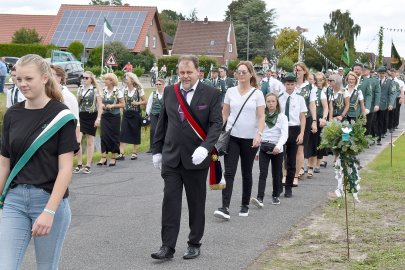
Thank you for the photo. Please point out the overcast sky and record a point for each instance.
(370, 15)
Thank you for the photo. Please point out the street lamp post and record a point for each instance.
(247, 42)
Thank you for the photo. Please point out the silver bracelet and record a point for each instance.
(49, 211)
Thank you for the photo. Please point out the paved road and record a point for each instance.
(117, 210)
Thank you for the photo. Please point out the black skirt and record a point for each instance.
(110, 133)
(131, 127)
(87, 120)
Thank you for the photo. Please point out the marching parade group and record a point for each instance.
(277, 119)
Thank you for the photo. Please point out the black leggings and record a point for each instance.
(276, 172)
(243, 148)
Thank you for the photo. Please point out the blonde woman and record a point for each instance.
(134, 98)
(36, 206)
(90, 109)
(113, 101)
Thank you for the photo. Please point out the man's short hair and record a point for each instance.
(191, 58)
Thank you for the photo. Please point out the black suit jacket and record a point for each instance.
(176, 140)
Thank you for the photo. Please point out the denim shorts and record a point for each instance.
(22, 206)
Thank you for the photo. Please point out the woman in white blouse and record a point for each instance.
(356, 105)
(245, 135)
(274, 137)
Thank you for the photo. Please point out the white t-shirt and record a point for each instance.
(71, 102)
(246, 126)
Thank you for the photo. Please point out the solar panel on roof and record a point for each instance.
(126, 26)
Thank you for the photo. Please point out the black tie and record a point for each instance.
(287, 108)
(15, 99)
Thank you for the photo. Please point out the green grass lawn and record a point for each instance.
(376, 225)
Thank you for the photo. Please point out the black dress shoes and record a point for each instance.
(164, 253)
(192, 253)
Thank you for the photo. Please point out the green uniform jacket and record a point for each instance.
(375, 86)
(365, 87)
(388, 94)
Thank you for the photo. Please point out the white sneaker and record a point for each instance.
(222, 213)
(256, 202)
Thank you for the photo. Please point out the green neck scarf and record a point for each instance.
(271, 119)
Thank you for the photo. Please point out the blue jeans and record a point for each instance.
(22, 207)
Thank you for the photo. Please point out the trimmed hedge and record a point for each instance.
(19, 50)
(171, 62)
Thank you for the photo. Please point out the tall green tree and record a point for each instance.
(331, 48)
(26, 36)
(168, 19)
(193, 15)
(252, 15)
(342, 26)
(286, 44)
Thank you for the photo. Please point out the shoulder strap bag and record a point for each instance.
(54, 126)
(223, 141)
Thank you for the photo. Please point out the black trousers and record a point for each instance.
(397, 113)
(194, 182)
(243, 148)
(370, 123)
(153, 122)
(276, 172)
(381, 117)
(291, 148)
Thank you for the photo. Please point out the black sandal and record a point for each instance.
(102, 163)
(120, 157)
(112, 164)
(323, 164)
(134, 156)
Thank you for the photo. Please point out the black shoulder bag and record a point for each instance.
(223, 140)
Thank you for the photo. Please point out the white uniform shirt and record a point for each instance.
(278, 134)
(297, 106)
(150, 101)
(246, 125)
(11, 94)
(71, 102)
(349, 94)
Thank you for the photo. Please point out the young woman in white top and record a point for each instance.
(245, 135)
(313, 154)
(274, 137)
(134, 97)
(113, 101)
(90, 104)
(356, 106)
(153, 106)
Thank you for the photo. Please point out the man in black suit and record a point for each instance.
(184, 158)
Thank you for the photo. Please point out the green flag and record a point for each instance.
(395, 59)
(345, 54)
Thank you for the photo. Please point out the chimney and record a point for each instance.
(206, 20)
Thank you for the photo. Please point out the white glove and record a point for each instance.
(157, 161)
(367, 111)
(199, 155)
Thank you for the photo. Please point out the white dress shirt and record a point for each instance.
(297, 106)
(278, 134)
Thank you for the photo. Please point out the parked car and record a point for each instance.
(10, 61)
(74, 72)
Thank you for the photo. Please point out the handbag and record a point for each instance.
(56, 124)
(267, 147)
(145, 121)
(223, 140)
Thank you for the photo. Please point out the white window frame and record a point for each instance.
(230, 47)
(147, 41)
(153, 42)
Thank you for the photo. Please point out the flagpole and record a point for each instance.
(102, 54)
